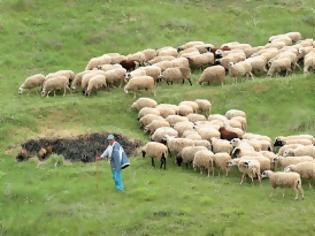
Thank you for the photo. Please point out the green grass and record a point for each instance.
(43, 36)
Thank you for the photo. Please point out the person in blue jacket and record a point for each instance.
(118, 160)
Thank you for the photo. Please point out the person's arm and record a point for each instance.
(106, 153)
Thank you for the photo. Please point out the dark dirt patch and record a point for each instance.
(81, 148)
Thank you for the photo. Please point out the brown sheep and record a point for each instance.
(226, 134)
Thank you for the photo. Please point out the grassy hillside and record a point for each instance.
(43, 36)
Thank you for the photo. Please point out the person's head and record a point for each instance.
(110, 139)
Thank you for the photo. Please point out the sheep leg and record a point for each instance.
(226, 172)
(54, 93)
(152, 162)
(134, 95)
(189, 82)
(212, 170)
(64, 91)
(296, 190)
(251, 75)
(183, 81)
(242, 178)
(301, 191)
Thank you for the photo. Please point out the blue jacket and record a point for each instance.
(114, 152)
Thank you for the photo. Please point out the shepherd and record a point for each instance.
(118, 159)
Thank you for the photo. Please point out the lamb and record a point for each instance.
(167, 109)
(147, 119)
(32, 82)
(282, 179)
(162, 132)
(286, 161)
(186, 155)
(173, 119)
(221, 160)
(227, 134)
(204, 160)
(200, 61)
(204, 106)
(115, 77)
(184, 110)
(154, 125)
(156, 151)
(305, 169)
(219, 145)
(96, 82)
(56, 83)
(212, 74)
(171, 75)
(143, 102)
(129, 65)
(148, 110)
(138, 83)
(279, 65)
(240, 69)
(97, 61)
(193, 117)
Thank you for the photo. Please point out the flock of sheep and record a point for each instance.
(143, 70)
(187, 133)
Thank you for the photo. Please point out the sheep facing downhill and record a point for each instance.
(285, 180)
(32, 82)
(212, 74)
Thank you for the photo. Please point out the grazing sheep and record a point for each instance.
(56, 83)
(115, 57)
(171, 75)
(98, 61)
(147, 119)
(212, 74)
(173, 119)
(294, 36)
(242, 68)
(78, 79)
(107, 67)
(283, 179)
(96, 82)
(193, 117)
(138, 57)
(192, 104)
(32, 82)
(148, 110)
(186, 155)
(138, 72)
(203, 160)
(167, 51)
(201, 61)
(181, 127)
(238, 122)
(219, 145)
(221, 160)
(308, 150)
(149, 54)
(160, 134)
(115, 77)
(156, 151)
(184, 110)
(175, 145)
(227, 134)
(258, 63)
(305, 169)
(248, 167)
(234, 112)
(309, 62)
(207, 132)
(67, 73)
(204, 105)
(202, 142)
(154, 125)
(167, 109)
(181, 62)
(153, 71)
(138, 83)
(279, 65)
(286, 161)
(87, 77)
(143, 102)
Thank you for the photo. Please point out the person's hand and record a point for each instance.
(98, 158)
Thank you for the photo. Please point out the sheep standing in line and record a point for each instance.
(156, 151)
(285, 180)
(212, 74)
(138, 83)
(32, 82)
(56, 83)
(203, 160)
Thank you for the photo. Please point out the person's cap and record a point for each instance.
(110, 137)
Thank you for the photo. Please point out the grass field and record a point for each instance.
(43, 36)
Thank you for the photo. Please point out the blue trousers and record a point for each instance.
(117, 180)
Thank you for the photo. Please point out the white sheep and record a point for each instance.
(193, 117)
(32, 82)
(173, 119)
(96, 82)
(212, 74)
(171, 75)
(285, 180)
(155, 124)
(149, 54)
(143, 102)
(67, 73)
(175, 145)
(162, 132)
(279, 65)
(221, 160)
(242, 68)
(167, 109)
(192, 104)
(97, 61)
(138, 83)
(308, 150)
(234, 112)
(115, 77)
(204, 105)
(220, 145)
(107, 67)
(249, 167)
(157, 151)
(200, 61)
(186, 155)
(305, 169)
(148, 110)
(56, 83)
(147, 119)
(181, 127)
(203, 160)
